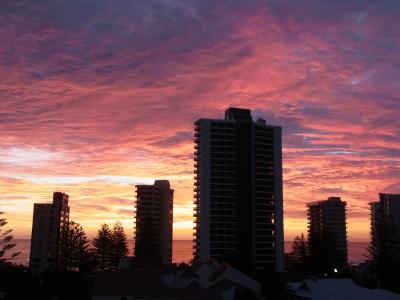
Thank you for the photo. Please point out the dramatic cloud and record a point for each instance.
(98, 95)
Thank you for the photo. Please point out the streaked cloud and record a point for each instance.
(96, 96)
(26, 156)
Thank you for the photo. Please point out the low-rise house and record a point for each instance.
(211, 274)
(203, 280)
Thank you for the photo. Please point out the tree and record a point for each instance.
(103, 248)
(119, 243)
(6, 241)
(299, 253)
(73, 251)
(325, 254)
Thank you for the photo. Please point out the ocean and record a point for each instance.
(182, 251)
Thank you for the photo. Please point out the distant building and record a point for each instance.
(238, 191)
(153, 238)
(327, 234)
(388, 207)
(343, 289)
(48, 220)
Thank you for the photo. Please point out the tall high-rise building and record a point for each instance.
(153, 238)
(327, 232)
(48, 220)
(387, 209)
(238, 191)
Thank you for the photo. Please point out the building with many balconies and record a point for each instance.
(327, 233)
(385, 223)
(153, 237)
(47, 224)
(238, 191)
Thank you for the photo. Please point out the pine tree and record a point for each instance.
(103, 248)
(6, 241)
(73, 251)
(120, 247)
(324, 254)
(299, 249)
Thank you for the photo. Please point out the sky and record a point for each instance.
(97, 96)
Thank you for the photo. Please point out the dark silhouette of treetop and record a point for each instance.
(103, 248)
(6, 241)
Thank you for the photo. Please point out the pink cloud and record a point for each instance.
(114, 89)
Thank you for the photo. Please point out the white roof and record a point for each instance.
(338, 289)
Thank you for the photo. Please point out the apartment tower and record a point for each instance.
(153, 237)
(327, 233)
(238, 191)
(48, 220)
(385, 220)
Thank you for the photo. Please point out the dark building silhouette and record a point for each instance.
(387, 208)
(48, 220)
(327, 233)
(238, 191)
(153, 238)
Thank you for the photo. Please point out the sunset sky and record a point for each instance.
(98, 95)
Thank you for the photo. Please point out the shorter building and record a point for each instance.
(327, 234)
(203, 280)
(153, 237)
(48, 220)
(343, 289)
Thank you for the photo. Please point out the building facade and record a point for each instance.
(153, 237)
(327, 233)
(238, 190)
(385, 220)
(47, 224)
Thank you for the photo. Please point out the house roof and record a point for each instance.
(146, 282)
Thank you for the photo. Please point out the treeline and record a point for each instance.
(319, 255)
(103, 254)
(78, 261)
(381, 270)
